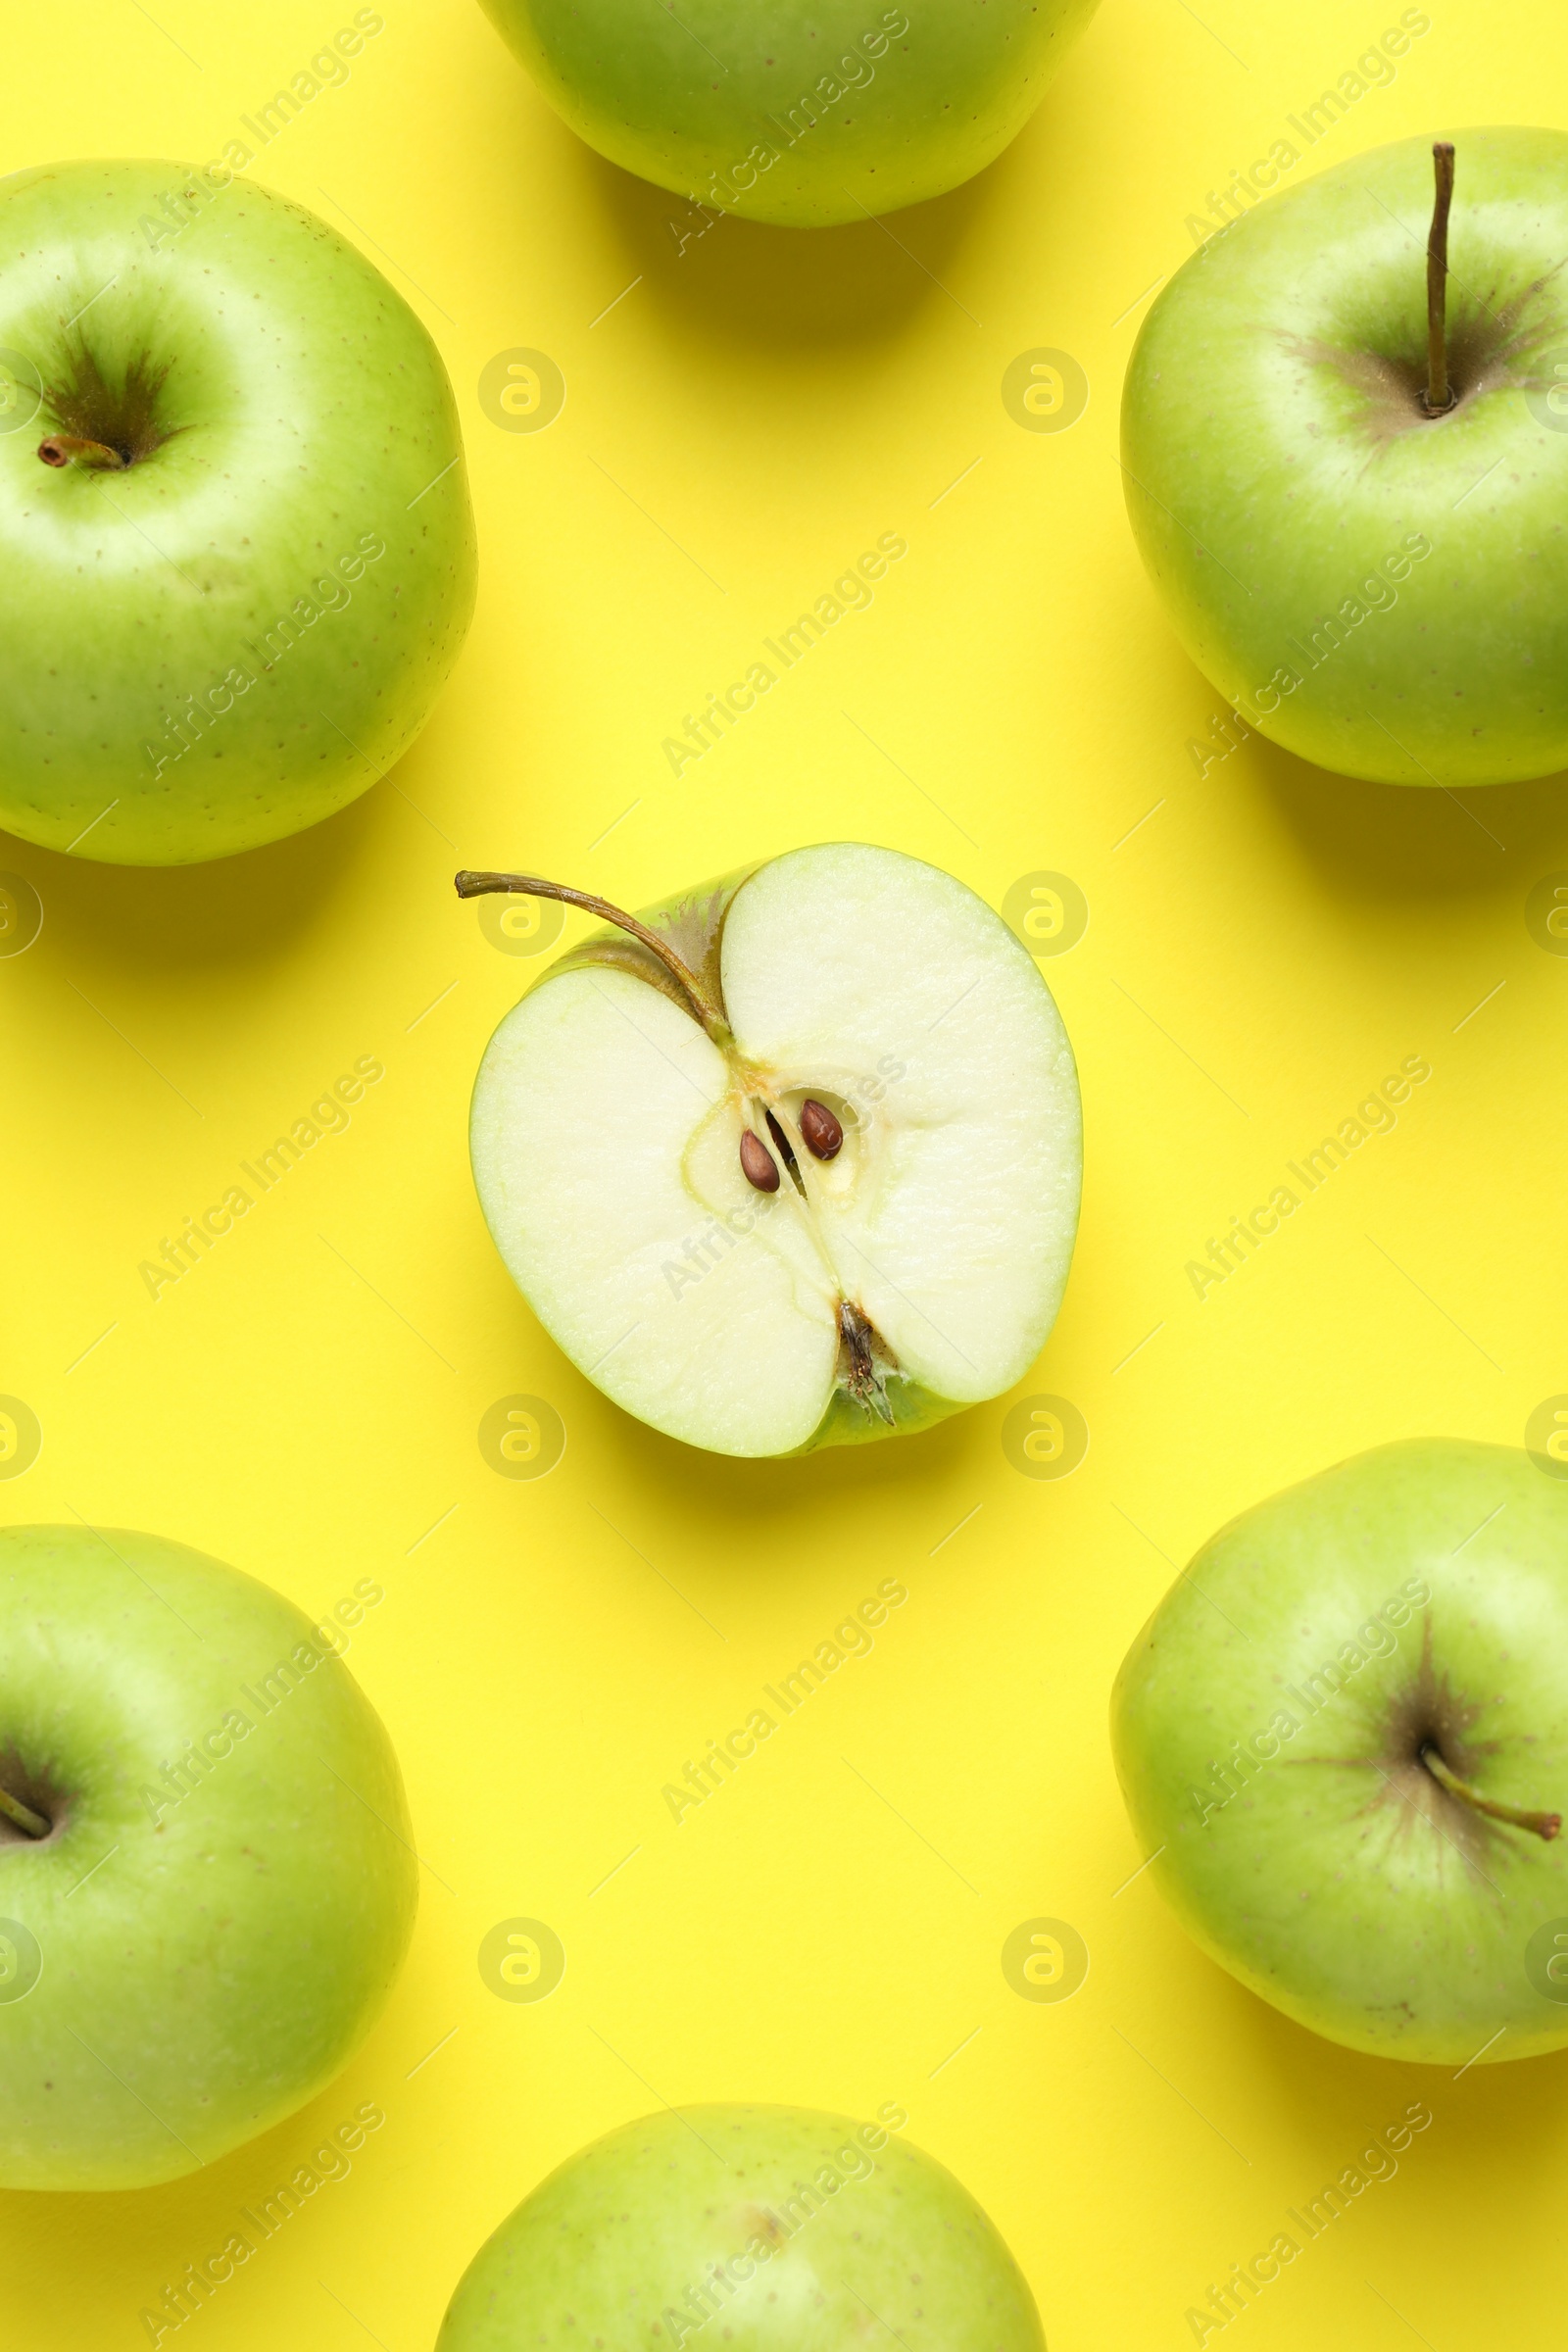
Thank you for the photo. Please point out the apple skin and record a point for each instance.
(607, 2249)
(1339, 1882)
(222, 1965)
(313, 414)
(1277, 460)
(925, 102)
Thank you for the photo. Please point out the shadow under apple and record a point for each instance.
(1396, 842)
(250, 911)
(142, 2240)
(721, 1500)
(1494, 2120)
(800, 291)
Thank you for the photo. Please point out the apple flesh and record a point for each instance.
(234, 527)
(794, 114)
(1380, 589)
(207, 1882)
(1345, 1734)
(641, 1154)
(787, 2229)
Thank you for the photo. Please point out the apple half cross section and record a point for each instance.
(791, 2231)
(207, 1874)
(1342, 1737)
(791, 1160)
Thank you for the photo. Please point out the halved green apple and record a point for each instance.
(793, 1159)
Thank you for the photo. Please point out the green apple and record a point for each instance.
(801, 111)
(1375, 580)
(789, 2232)
(234, 525)
(790, 1160)
(1344, 1732)
(206, 1877)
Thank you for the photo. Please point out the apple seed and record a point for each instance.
(757, 1163)
(820, 1131)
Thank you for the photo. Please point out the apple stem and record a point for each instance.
(57, 449)
(22, 1815)
(529, 886)
(1543, 1824)
(1438, 397)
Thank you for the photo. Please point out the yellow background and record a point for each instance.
(1261, 950)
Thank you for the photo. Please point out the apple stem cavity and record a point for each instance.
(1542, 1825)
(1439, 396)
(59, 448)
(530, 886)
(32, 1823)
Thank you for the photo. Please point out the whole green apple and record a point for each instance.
(790, 2231)
(800, 112)
(234, 525)
(207, 1883)
(790, 1160)
(1377, 582)
(1344, 1734)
